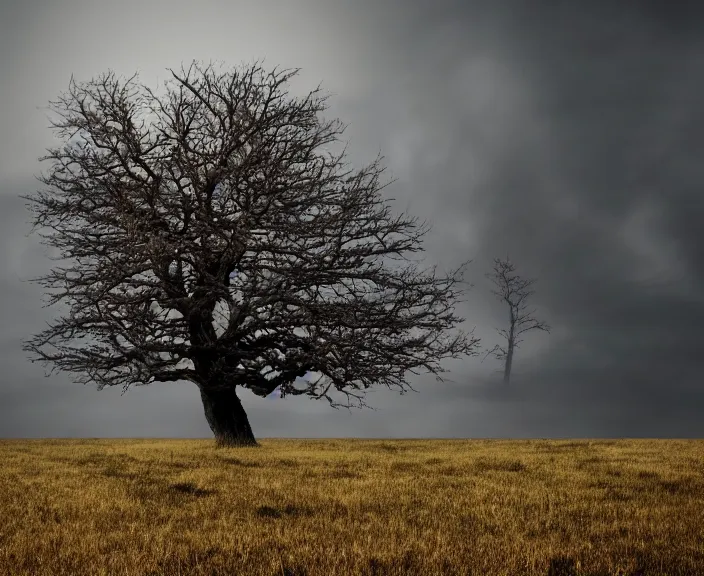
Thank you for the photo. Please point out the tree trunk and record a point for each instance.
(507, 366)
(509, 351)
(227, 418)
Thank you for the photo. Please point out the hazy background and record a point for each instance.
(567, 134)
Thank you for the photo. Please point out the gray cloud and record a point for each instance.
(566, 134)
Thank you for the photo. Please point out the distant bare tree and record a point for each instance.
(214, 238)
(513, 290)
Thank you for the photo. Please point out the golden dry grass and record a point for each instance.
(343, 507)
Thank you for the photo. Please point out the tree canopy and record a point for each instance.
(214, 237)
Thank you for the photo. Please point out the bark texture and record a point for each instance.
(227, 418)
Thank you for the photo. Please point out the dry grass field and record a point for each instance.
(344, 507)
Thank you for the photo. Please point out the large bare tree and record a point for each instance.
(514, 291)
(214, 237)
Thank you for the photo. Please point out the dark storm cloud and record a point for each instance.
(566, 134)
(616, 235)
(578, 152)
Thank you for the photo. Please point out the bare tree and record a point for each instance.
(513, 290)
(215, 238)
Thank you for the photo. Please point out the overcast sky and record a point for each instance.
(569, 135)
